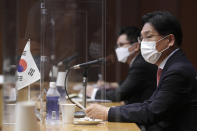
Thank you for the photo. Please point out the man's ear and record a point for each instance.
(137, 47)
(171, 40)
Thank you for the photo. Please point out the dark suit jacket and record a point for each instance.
(173, 105)
(137, 87)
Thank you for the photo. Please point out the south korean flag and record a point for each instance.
(27, 70)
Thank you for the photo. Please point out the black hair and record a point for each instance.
(132, 33)
(164, 23)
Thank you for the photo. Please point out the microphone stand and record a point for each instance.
(85, 73)
(80, 114)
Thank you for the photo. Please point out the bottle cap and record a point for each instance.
(52, 84)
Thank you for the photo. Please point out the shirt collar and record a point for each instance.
(162, 64)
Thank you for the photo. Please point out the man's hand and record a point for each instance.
(97, 111)
(114, 85)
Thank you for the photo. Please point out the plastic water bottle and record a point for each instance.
(52, 105)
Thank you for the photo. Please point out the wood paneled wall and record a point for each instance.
(1, 97)
(128, 12)
(1, 33)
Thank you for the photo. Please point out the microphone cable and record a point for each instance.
(66, 85)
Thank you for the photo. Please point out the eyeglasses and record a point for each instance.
(122, 44)
(149, 37)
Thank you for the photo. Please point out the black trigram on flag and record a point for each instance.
(24, 53)
(20, 78)
(31, 72)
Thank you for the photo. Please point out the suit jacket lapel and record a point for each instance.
(168, 63)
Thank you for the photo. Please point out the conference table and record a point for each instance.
(105, 126)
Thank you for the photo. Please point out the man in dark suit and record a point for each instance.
(173, 105)
(140, 81)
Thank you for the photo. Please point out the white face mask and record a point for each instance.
(122, 53)
(149, 51)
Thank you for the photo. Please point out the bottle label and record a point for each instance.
(52, 108)
(53, 115)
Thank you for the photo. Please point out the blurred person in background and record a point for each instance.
(140, 81)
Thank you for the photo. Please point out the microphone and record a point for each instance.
(100, 60)
(68, 60)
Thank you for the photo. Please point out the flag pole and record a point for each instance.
(29, 93)
(29, 89)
